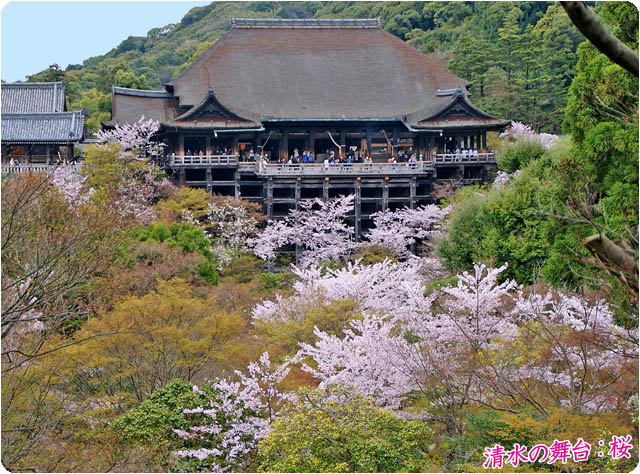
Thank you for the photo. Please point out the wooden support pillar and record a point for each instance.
(70, 153)
(357, 202)
(432, 146)
(48, 154)
(236, 183)
(307, 142)
(394, 141)
(234, 145)
(284, 145)
(209, 180)
(325, 189)
(412, 193)
(385, 193)
(269, 198)
(484, 140)
(180, 145)
(207, 145)
(298, 191)
(181, 177)
(312, 144)
(369, 133)
(459, 141)
(343, 142)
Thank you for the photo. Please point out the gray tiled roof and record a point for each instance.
(140, 92)
(32, 97)
(61, 127)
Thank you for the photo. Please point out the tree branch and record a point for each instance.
(601, 37)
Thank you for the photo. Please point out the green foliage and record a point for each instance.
(333, 431)
(504, 225)
(96, 105)
(179, 234)
(105, 168)
(243, 268)
(290, 330)
(274, 281)
(152, 421)
(130, 79)
(515, 156)
(371, 254)
(208, 271)
(468, 226)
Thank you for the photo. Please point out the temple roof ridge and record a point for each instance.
(305, 23)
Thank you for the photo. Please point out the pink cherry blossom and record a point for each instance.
(401, 229)
(137, 138)
(518, 131)
(318, 229)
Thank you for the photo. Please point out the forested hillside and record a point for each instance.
(521, 56)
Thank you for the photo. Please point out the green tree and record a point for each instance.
(334, 431)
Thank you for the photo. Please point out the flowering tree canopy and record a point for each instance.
(71, 184)
(400, 229)
(318, 228)
(230, 225)
(136, 138)
(481, 341)
(227, 430)
(379, 288)
(136, 195)
(502, 178)
(519, 130)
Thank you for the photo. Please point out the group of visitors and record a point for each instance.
(215, 151)
(406, 157)
(469, 152)
(296, 158)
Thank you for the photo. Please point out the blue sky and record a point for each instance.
(37, 34)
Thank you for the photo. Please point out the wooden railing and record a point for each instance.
(469, 158)
(27, 168)
(179, 160)
(321, 169)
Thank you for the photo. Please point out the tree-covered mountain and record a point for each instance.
(521, 56)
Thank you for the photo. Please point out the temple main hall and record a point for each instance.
(371, 110)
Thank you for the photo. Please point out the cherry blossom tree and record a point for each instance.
(502, 179)
(230, 225)
(401, 229)
(136, 195)
(519, 130)
(71, 184)
(480, 341)
(379, 288)
(365, 359)
(226, 432)
(261, 382)
(318, 229)
(136, 138)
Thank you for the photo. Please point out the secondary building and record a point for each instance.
(36, 127)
